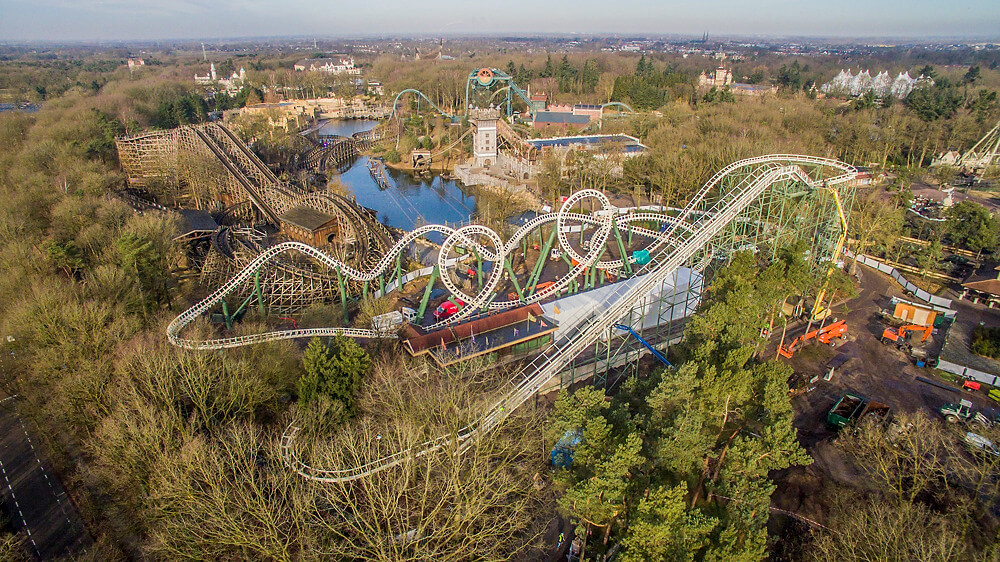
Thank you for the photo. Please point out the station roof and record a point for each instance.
(991, 286)
(304, 217)
(196, 220)
(483, 335)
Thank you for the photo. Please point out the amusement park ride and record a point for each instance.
(757, 204)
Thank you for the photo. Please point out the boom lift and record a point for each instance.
(826, 335)
(898, 337)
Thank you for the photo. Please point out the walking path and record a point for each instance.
(34, 497)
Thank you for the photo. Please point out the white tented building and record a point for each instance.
(846, 83)
(672, 301)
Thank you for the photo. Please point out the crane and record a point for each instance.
(826, 335)
(898, 336)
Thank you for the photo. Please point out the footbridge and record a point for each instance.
(339, 152)
(717, 221)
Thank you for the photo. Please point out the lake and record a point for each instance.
(410, 201)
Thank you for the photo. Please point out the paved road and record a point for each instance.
(33, 496)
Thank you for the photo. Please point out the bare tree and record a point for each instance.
(480, 504)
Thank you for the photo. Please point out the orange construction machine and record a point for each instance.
(826, 335)
(898, 336)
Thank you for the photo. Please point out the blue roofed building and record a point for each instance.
(545, 120)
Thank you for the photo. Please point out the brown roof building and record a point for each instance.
(309, 225)
(977, 289)
(512, 332)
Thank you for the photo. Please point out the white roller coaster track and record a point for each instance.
(681, 242)
(984, 153)
(468, 236)
(554, 358)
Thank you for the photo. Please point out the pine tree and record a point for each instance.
(548, 71)
(350, 363)
(665, 529)
(318, 365)
(640, 67)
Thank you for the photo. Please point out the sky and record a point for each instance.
(117, 20)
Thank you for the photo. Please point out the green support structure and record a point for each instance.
(621, 247)
(260, 295)
(364, 290)
(486, 305)
(381, 283)
(594, 271)
(536, 271)
(479, 267)
(343, 295)
(225, 313)
(243, 305)
(427, 293)
(513, 279)
(399, 270)
(255, 294)
(573, 284)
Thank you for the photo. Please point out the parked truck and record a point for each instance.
(852, 407)
(963, 412)
(391, 321)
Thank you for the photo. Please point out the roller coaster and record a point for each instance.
(250, 204)
(339, 152)
(482, 84)
(738, 208)
(983, 154)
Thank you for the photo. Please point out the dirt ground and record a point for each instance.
(874, 370)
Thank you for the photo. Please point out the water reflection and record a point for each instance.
(410, 201)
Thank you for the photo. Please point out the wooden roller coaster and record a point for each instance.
(339, 152)
(256, 210)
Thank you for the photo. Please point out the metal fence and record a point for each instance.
(895, 274)
(967, 372)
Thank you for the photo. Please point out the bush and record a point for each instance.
(986, 341)
(335, 371)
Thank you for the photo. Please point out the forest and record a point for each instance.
(175, 454)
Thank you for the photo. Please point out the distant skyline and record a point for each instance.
(130, 20)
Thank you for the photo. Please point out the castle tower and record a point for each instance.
(484, 143)
(213, 71)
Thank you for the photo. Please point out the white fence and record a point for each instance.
(917, 291)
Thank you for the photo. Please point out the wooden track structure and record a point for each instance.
(513, 142)
(248, 200)
(339, 152)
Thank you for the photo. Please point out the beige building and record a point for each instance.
(334, 64)
(721, 78)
